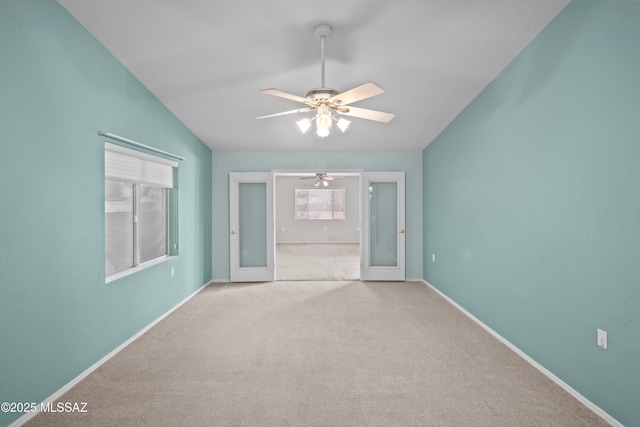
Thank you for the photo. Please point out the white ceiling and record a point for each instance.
(207, 60)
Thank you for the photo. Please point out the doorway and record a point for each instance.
(317, 225)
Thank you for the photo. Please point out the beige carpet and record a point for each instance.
(330, 354)
(320, 261)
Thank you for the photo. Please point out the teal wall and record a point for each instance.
(262, 161)
(532, 203)
(58, 87)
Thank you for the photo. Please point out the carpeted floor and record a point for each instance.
(331, 354)
(320, 261)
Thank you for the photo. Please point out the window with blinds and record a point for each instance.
(320, 203)
(137, 208)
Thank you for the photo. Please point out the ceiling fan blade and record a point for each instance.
(284, 113)
(358, 93)
(316, 176)
(363, 113)
(281, 94)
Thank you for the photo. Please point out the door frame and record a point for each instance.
(250, 274)
(268, 273)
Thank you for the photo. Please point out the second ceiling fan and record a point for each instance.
(324, 101)
(321, 178)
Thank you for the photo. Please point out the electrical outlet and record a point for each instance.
(173, 271)
(602, 339)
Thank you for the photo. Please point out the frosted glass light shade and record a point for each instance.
(343, 124)
(304, 125)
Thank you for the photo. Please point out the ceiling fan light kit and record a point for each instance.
(325, 101)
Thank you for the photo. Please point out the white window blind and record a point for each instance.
(127, 165)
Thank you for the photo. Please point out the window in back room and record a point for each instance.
(320, 203)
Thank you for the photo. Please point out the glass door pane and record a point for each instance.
(383, 223)
(253, 224)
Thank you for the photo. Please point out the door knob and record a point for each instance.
(402, 231)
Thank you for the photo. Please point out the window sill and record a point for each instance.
(140, 267)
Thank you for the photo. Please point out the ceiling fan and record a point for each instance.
(324, 100)
(322, 178)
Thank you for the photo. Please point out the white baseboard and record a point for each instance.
(337, 242)
(586, 402)
(26, 417)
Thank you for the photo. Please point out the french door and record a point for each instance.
(251, 220)
(383, 229)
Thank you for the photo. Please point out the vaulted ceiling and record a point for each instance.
(206, 61)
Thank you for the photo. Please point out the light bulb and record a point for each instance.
(322, 132)
(323, 121)
(325, 183)
(323, 125)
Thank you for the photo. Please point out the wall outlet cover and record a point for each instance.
(602, 339)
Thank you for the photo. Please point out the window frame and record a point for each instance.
(333, 211)
(169, 196)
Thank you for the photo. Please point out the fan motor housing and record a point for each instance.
(321, 93)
